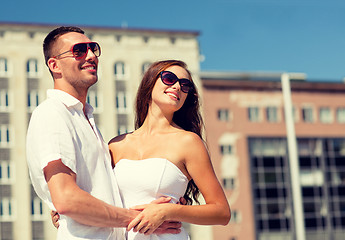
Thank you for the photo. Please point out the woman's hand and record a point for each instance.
(151, 217)
(55, 218)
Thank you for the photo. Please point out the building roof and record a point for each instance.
(265, 81)
(95, 28)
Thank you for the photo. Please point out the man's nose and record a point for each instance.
(90, 53)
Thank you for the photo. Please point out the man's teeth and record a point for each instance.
(89, 67)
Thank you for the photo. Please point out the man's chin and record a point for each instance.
(92, 81)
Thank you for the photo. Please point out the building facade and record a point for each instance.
(246, 133)
(24, 79)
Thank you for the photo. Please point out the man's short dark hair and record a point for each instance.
(53, 36)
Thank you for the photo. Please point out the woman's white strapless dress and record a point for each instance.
(142, 181)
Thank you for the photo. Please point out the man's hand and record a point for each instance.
(169, 227)
(55, 218)
(166, 227)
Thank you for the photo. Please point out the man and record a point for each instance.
(69, 163)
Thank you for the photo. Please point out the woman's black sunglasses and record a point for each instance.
(169, 78)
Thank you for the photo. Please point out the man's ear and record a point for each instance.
(53, 65)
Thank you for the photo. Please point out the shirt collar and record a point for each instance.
(69, 100)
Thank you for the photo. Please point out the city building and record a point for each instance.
(246, 126)
(245, 129)
(24, 79)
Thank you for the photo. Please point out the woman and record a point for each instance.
(166, 156)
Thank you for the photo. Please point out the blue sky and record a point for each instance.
(235, 35)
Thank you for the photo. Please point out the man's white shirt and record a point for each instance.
(58, 129)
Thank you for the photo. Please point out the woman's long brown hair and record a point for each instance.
(187, 117)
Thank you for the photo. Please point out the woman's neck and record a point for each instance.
(157, 122)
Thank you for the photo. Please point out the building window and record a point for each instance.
(310, 178)
(93, 99)
(6, 208)
(253, 114)
(341, 115)
(119, 71)
(5, 171)
(3, 67)
(122, 129)
(5, 135)
(32, 68)
(226, 149)
(4, 99)
(121, 102)
(145, 66)
(272, 114)
(229, 183)
(307, 113)
(235, 216)
(269, 166)
(37, 229)
(33, 99)
(37, 208)
(326, 115)
(223, 115)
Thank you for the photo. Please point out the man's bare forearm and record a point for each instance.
(70, 200)
(88, 210)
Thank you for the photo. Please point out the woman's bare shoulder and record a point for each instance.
(189, 136)
(117, 146)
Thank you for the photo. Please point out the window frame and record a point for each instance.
(33, 96)
(122, 129)
(226, 149)
(223, 115)
(6, 132)
(229, 183)
(4, 67)
(7, 172)
(308, 114)
(94, 99)
(7, 209)
(5, 100)
(32, 68)
(328, 118)
(37, 209)
(254, 115)
(272, 117)
(121, 102)
(120, 71)
(340, 115)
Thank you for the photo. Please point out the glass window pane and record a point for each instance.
(307, 113)
(325, 115)
(272, 114)
(223, 115)
(253, 114)
(3, 67)
(341, 115)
